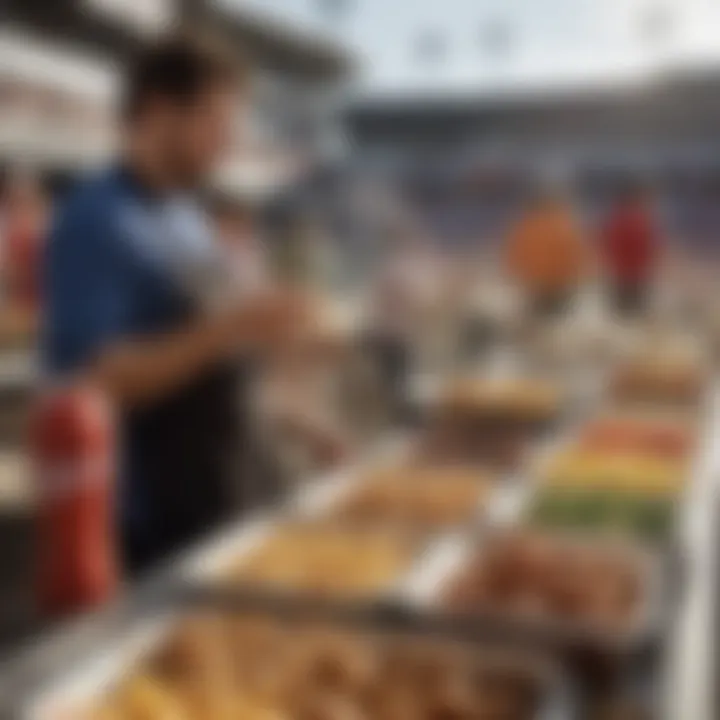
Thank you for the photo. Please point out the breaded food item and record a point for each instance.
(144, 697)
(428, 497)
(514, 399)
(327, 560)
(323, 674)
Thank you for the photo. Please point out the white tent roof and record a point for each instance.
(36, 61)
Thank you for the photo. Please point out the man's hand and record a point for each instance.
(144, 369)
(332, 451)
(272, 320)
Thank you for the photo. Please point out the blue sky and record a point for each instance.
(552, 40)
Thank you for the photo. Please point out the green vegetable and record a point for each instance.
(650, 518)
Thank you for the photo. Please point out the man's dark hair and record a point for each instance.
(178, 69)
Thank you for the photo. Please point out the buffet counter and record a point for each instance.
(376, 559)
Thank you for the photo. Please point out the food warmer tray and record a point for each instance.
(199, 571)
(76, 687)
(425, 390)
(529, 481)
(200, 576)
(423, 590)
(322, 500)
(318, 496)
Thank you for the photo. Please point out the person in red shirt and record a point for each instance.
(25, 213)
(630, 250)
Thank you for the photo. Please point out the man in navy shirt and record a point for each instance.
(134, 288)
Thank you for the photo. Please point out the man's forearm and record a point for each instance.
(320, 435)
(142, 370)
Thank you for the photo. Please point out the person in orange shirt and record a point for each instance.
(547, 255)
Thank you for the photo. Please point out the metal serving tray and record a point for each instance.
(518, 505)
(324, 503)
(202, 568)
(426, 391)
(69, 692)
(317, 497)
(423, 594)
(204, 573)
(207, 560)
(72, 691)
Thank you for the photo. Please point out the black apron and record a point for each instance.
(188, 461)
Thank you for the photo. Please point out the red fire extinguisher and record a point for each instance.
(73, 459)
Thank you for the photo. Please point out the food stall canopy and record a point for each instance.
(30, 59)
(147, 16)
(280, 44)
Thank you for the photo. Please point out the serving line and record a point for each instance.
(689, 672)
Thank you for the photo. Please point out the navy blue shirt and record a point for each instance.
(120, 264)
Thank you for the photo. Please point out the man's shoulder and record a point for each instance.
(98, 200)
(89, 217)
(92, 200)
